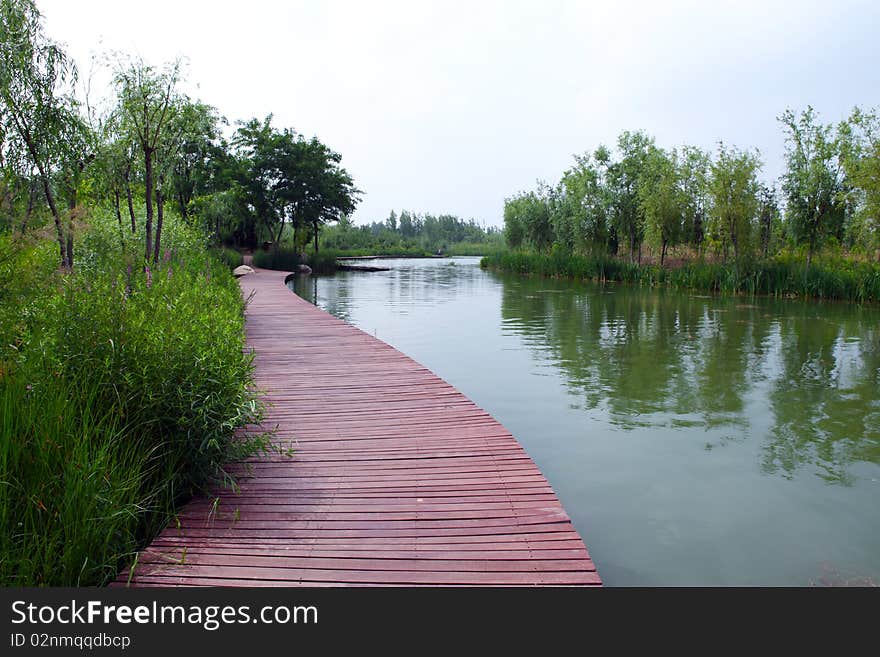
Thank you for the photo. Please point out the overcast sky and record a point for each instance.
(452, 106)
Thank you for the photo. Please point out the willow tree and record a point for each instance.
(38, 112)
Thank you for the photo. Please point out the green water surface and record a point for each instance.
(694, 440)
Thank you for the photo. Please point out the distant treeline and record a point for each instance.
(641, 199)
(410, 233)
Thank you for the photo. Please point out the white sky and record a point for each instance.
(452, 106)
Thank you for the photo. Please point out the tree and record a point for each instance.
(39, 116)
(812, 182)
(733, 189)
(660, 199)
(587, 201)
(527, 218)
(624, 176)
(200, 162)
(768, 217)
(514, 232)
(146, 99)
(293, 181)
(860, 157)
(693, 180)
(325, 192)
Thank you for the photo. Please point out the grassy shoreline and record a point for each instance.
(122, 389)
(782, 276)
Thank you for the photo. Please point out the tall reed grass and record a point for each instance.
(122, 387)
(783, 276)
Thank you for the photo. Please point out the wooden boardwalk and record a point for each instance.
(397, 478)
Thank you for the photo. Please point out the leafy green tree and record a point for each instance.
(587, 201)
(860, 157)
(693, 177)
(813, 180)
(198, 162)
(624, 176)
(293, 181)
(768, 217)
(661, 199)
(146, 99)
(39, 116)
(527, 218)
(733, 190)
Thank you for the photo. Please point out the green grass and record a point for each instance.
(783, 276)
(121, 390)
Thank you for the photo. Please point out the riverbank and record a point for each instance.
(782, 276)
(122, 387)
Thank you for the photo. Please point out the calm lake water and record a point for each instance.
(693, 440)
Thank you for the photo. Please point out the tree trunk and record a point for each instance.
(160, 215)
(118, 209)
(30, 208)
(277, 243)
(148, 183)
(315, 224)
(50, 199)
(130, 207)
(182, 204)
(663, 251)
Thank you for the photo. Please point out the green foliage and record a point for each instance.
(733, 189)
(859, 140)
(128, 385)
(661, 199)
(686, 203)
(40, 128)
(783, 276)
(527, 216)
(813, 181)
(410, 235)
(289, 179)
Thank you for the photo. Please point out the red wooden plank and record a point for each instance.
(396, 479)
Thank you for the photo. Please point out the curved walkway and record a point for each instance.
(396, 478)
